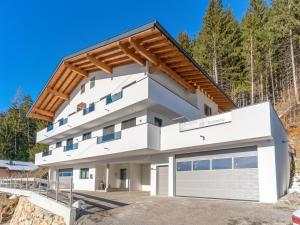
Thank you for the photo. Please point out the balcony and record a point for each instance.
(143, 137)
(46, 153)
(138, 96)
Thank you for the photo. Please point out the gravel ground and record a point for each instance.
(145, 210)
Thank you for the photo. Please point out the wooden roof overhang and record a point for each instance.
(147, 43)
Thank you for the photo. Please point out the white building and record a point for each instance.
(136, 113)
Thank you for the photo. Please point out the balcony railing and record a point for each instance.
(112, 98)
(63, 121)
(70, 147)
(46, 153)
(109, 137)
(89, 109)
(50, 127)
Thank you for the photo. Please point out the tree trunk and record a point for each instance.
(272, 81)
(251, 69)
(215, 62)
(293, 67)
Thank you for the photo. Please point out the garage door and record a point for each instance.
(227, 174)
(162, 180)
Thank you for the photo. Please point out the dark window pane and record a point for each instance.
(207, 110)
(245, 162)
(58, 144)
(218, 164)
(108, 130)
(84, 173)
(128, 123)
(184, 166)
(87, 136)
(201, 165)
(157, 122)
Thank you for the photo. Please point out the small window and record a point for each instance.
(82, 88)
(184, 166)
(157, 122)
(128, 123)
(201, 165)
(207, 110)
(109, 130)
(92, 82)
(84, 173)
(245, 162)
(86, 136)
(219, 164)
(58, 144)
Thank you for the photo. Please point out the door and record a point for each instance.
(162, 180)
(123, 178)
(65, 178)
(227, 174)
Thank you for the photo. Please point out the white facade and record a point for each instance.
(168, 121)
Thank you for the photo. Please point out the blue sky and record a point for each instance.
(35, 34)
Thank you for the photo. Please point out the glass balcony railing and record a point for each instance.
(109, 137)
(70, 147)
(63, 121)
(112, 98)
(50, 127)
(46, 153)
(89, 109)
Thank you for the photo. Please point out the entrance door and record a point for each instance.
(162, 180)
(123, 178)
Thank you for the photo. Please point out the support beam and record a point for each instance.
(76, 70)
(99, 64)
(41, 117)
(130, 53)
(58, 94)
(162, 66)
(44, 112)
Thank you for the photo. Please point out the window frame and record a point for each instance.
(87, 136)
(123, 123)
(84, 173)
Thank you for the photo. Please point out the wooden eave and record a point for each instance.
(147, 43)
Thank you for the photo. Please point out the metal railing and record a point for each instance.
(109, 137)
(60, 191)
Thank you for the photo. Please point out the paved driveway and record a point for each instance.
(138, 208)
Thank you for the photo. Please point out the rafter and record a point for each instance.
(131, 54)
(58, 94)
(41, 117)
(76, 69)
(44, 112)
(99, 64)
(162, 66)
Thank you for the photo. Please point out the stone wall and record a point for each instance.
(27, 213)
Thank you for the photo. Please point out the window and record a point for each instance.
(108, 130)
(184, 166)
(82, 89)
(58, 144)
(157, 122)
(89, 109)
(86, 136)
(201, 165)
(63, 121)
(65, 172)
(92, 82)
(128, 123)
(218, 164)
(245, 162)
(84, 173)
(207, 110)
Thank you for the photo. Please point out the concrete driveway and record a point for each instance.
(138, 208)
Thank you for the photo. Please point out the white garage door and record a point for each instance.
(227, 174)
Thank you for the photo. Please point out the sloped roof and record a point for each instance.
(149, 42)
(17, 165)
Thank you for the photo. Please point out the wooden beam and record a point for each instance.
(76, 69)
(99, 64)
(131, 54)
(44, 112)
(58, 93)
(149, 56)
(41, 117)
(162, 66)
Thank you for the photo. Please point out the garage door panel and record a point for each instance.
(220, 183)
